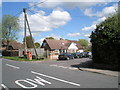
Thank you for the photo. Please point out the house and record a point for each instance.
(13, 46)
(55, 47)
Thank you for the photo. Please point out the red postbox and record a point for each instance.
(29, 55)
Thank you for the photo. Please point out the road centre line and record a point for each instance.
(71, 68)
(72, 83)
(13, 66)
(63, 67)
(59, 66)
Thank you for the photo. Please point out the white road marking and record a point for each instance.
(55, 78)
(13, 66)
(63, 67)
(5, 87)
(33, 82)
(18, 83)
(39, 80)
(54, 65)
(73, 68)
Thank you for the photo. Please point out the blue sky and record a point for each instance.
(61, 20)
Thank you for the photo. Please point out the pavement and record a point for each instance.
(106, 72)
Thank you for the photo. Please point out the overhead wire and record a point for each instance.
(36, 4)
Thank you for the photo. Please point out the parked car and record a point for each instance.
(65, 56)
(86, 54)
(89, 54)
(77, 55)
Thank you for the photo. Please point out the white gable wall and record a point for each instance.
(73, 47)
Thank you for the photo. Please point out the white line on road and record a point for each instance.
(55, 78)
(5, 87)
(13, 66)
(62, 67)
(54, 65)
(73, 68)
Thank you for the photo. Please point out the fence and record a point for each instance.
(40, 51)
(10, 53)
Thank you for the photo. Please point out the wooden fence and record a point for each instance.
(40, 51)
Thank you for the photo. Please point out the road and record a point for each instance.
(51, 74)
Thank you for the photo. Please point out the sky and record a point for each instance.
(59, 19)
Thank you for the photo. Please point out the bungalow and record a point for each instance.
(55, 47)
(13, 46)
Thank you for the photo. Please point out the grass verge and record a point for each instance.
(21, 58)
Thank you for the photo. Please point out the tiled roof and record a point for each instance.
(61, 44)
(14, 44)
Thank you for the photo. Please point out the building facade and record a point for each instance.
(55, 47)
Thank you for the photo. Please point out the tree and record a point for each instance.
(37, 45)
(10, 27)
(83, 43)
(49, 38)
(29, 42)
(106, 41)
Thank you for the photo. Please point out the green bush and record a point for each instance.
(106, 41)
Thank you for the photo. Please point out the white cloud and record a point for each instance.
(71, 3)
(55, 36)
(105, 12)
(87, 35)
(99, 20)
(92, 27)
(40, 23)
(28, 34)
(88, 12)
(73, 34)
(41, 40)
(52, 35)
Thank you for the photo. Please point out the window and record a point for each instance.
(72, 50)
(56, 51)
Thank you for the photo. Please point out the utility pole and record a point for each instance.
(26, 22)
(25, 45)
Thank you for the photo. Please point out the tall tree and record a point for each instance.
(106, 41)
(49, 38)
(37, 45)
(10, 27)
(29, 42)
(83, 43)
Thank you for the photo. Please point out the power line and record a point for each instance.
(18, 13)
(29, 7)
(37, 4)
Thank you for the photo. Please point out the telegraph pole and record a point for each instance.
(26, 22)
(25, 45)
